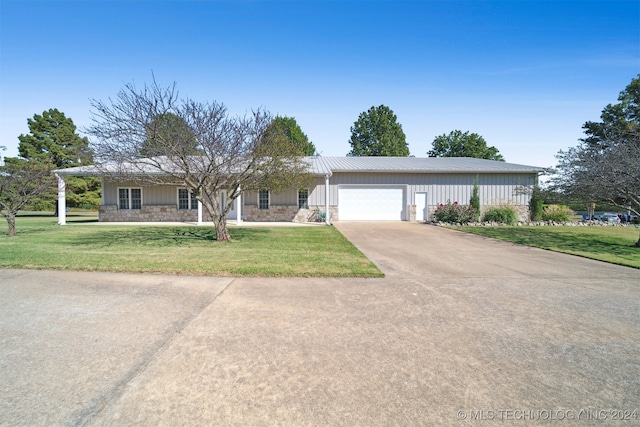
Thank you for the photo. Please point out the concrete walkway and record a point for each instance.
(462, 329)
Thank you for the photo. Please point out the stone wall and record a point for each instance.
(412, 213)
(333, 213)
(286, 214)
(168, 213)
(273, 214)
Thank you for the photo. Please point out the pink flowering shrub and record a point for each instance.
(455, 213)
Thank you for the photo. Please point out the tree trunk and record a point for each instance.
(637, 245)
(222, 235)
(11, 220)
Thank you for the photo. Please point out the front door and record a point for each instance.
(421, 207)
(233, 212)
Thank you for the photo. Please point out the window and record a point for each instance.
(129, 198)
(187, 199)
(263, 199)
(303, 199)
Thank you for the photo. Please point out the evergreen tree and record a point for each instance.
(536, 205)
(53, 141)
(475, 201)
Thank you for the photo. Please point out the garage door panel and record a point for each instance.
(371, 203)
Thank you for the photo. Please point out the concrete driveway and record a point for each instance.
(462, 331)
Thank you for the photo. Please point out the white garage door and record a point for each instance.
(371, 203)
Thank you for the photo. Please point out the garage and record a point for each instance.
(371, 203)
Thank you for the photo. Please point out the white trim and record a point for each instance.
(102, 193)
(129, 197)
(298, 198)
(425, 211)
(190, 199)
(239, 207)
(326, 200)
(62, 200)
(373, 206)
(268, 200)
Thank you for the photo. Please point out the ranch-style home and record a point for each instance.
(349, 188)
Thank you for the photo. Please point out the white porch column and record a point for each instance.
(62, 201)
(102, 191)
(239, 207)
(326, 200)
(199, 212)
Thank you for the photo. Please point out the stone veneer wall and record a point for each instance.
(168, 213)
(285, 214)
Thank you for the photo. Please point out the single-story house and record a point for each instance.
(348, 188)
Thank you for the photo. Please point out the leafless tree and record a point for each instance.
(229, 153)
(605, 167)
(20, 182)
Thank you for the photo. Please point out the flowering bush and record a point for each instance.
(454, 213)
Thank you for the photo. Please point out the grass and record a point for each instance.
(185, 250)
(609, 244)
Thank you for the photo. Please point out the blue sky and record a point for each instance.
(524, 75)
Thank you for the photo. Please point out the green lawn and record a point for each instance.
(254, 251)
(610, 244)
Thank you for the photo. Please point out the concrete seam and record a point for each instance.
(94, 408)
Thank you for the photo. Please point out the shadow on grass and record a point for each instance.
(162, 236)
(576, 242)
(82, 221)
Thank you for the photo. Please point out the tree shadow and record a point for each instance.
(159, 236)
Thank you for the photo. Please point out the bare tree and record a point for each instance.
(230, 153)
(20, 182)
(606, 165)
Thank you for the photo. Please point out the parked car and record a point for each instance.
(609, 217)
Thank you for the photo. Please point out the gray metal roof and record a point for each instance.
(329, 165)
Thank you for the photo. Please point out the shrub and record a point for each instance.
(535, 205)
(454, 213)
(503, 214)
(475, 201)
(557, 213)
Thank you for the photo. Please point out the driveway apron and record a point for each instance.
(463, 330)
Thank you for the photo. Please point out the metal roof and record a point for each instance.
(320, 165)
(330, 165)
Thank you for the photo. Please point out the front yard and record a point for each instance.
(609, 244)
(188, 250)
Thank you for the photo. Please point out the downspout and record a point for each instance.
(326, 200)
(199, 212)
(62, 201)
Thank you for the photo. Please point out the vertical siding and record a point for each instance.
(494, 189)
(151, 195)
(286, 198)
(317, 192)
